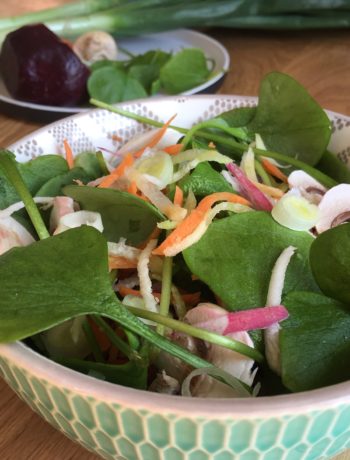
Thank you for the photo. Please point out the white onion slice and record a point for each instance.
(274, 297)
(231, 388)
(144, 276)
(295, 212)
(79, 218)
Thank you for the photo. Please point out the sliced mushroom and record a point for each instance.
(233, 363)
(309, 187)
(95, 46)
(334, 207)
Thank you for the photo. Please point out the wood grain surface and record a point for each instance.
(320, 60)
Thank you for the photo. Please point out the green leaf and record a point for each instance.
(204, 180)
(185, 70)
(34, 173)
(66, 276)
(236, 255)
(331, 165)
(314, 341)
(107, 63)
(289, 120)
(329, 260)
(89, 162)
(133, 90)
(123, 215)
(239, 117)
(146, 67)
(54, 186)
(107, 84)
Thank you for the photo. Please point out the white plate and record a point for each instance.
(172, 41)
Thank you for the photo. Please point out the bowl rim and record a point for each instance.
(248, 408)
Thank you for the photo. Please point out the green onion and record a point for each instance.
(226, 342)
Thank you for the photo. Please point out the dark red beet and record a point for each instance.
(38, 67)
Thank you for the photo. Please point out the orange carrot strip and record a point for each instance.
(117, 138)
(179, 196)
(124, 291)
(132, 188)
(173, 149)
(69, 154)
(117, 172)
(156, 138)
(273, 170)
(115, 262)
(191, 222)
(103, 341)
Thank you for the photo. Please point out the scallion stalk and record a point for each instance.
(211, 337)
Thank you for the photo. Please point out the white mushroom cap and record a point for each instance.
(309, 187)
(95, 46)
(334, 207)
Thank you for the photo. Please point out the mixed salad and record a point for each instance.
(212, 265)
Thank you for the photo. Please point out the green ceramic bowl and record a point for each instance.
(126, 424)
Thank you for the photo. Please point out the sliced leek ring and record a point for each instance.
(159, 166)
(295, 212)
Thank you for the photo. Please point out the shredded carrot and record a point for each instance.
(117, 172)
(69, 154)
(124, 291)
(132, 189)
(273, 192)
(173, 149)
(102, 340)
(115, 262)
(156, 138)
(179, 196)
(191, 222)
(273, 170)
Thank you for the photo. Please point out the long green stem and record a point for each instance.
(69, 10)
(120, 344)
(10, 168)
(199, 333)
(236, 146)
(166, 290)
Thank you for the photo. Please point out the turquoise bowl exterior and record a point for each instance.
(125, 424)
(121, 423)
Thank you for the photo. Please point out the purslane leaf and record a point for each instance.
(236, 255)
(123, 215)
(314, 341)
(330, 262)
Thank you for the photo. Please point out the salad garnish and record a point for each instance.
(210, 264)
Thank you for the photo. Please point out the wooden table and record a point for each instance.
(320, 60)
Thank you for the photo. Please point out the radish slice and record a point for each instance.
(216, 319)
(274, 295)
(249, 190)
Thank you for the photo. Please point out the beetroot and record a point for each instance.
(38, 67)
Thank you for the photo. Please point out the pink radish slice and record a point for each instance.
(249, 190)
(216, 319)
